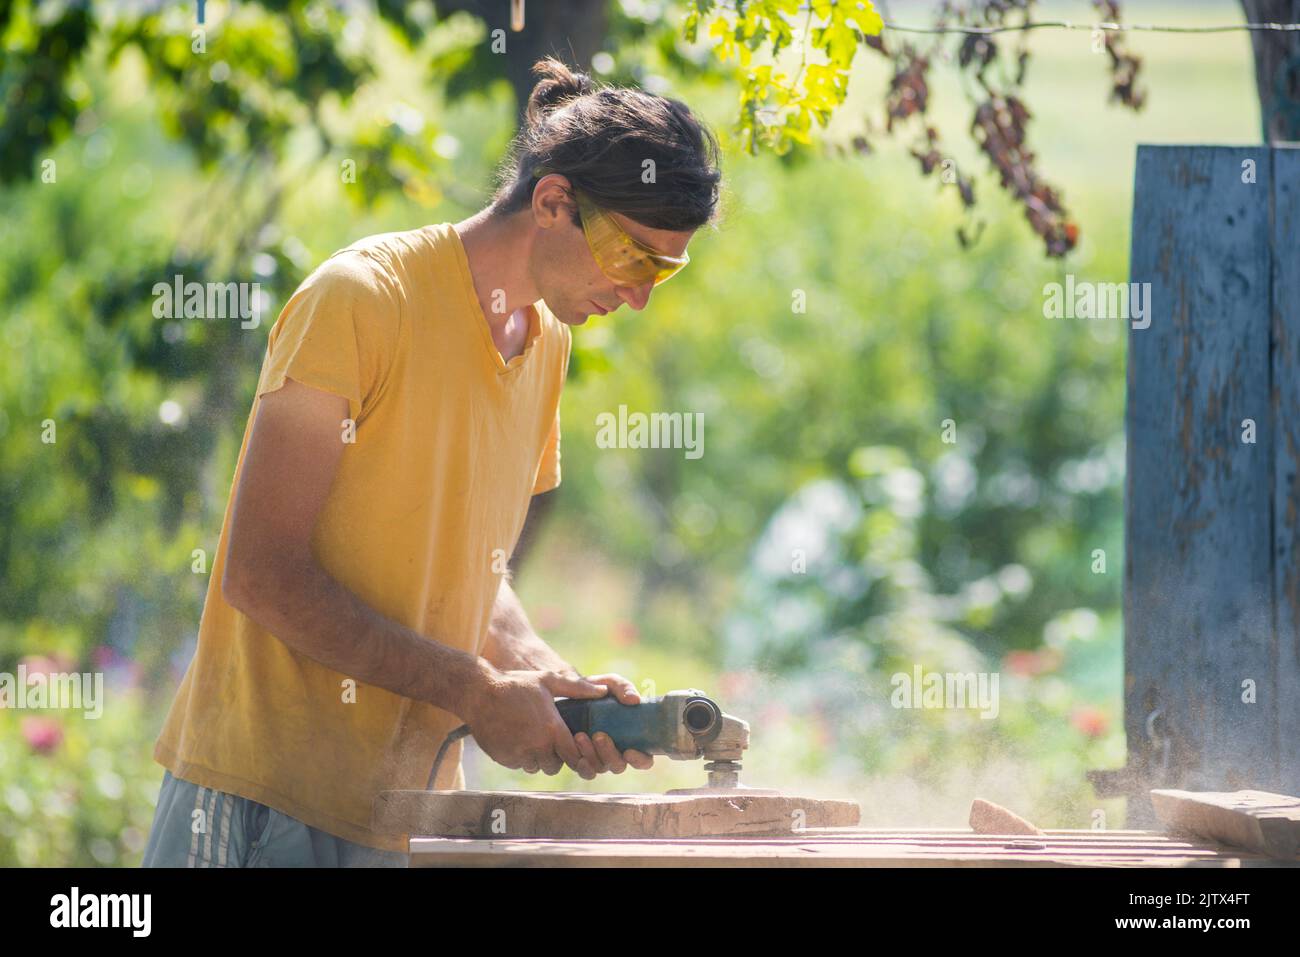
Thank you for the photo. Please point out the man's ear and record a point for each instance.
(553, 201)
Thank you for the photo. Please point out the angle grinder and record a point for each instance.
(683, 725)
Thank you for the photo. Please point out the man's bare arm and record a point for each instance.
(272, 576)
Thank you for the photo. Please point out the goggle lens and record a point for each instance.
(620, 257)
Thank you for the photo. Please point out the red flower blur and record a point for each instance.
(43, 735)
(1090, 721)
(1027, 664)
(47, 664)
(626, 634)
(735, 684)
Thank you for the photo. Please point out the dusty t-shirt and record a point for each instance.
(450, 444)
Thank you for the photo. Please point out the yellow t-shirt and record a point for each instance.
(450, 444)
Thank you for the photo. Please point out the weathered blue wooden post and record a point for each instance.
(1212, 502)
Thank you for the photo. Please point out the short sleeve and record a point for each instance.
(338, 332)
(548, 469)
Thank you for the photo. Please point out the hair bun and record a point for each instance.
(556, 83)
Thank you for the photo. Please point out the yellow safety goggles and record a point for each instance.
(626, 261)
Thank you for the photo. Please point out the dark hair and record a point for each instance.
(600, 138)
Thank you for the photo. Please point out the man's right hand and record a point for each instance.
(514, 720)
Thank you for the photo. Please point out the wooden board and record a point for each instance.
(562, 814)
(1198, 568)
(1286, 460)
(1212, 569)
(1263, 822)
(845, 847)
(989, 818)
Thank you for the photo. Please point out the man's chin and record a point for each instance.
(577, 319)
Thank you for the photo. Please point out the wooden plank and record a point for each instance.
(840, 848)
(1258, 820)
(1198, 517)
(1286, 468)
(989, 818)
(562, 814)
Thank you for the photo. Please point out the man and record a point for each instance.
(408, 407)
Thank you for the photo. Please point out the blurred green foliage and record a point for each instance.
(76, 790)
(828, 329)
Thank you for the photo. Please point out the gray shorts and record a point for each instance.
(198, 827)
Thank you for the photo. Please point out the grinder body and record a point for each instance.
(683, 725)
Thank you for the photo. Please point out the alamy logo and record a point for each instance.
(1130, 301)
(208, 300)
(102, 910)
(40, 689)
(657, 430)
(946, 690)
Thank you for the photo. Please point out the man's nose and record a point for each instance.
(636, 296)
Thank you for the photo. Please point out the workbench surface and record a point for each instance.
(846, 847)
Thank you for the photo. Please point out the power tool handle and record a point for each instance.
(576, 713)
(629, 726)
